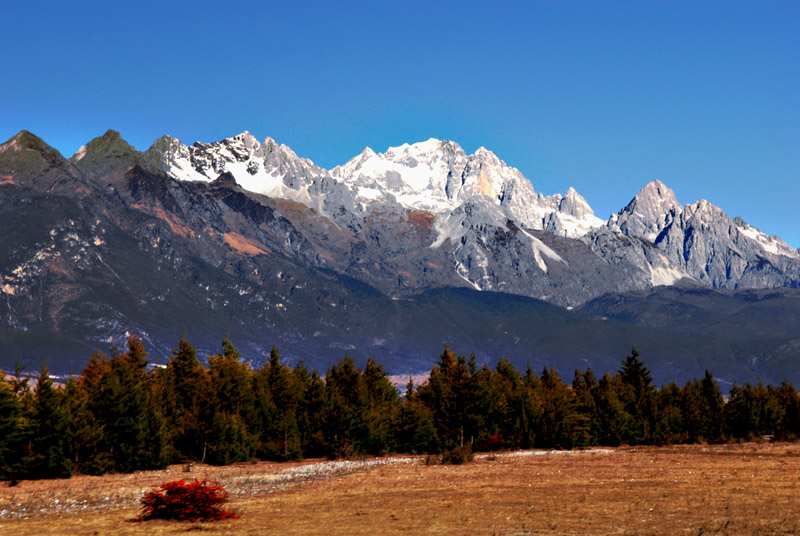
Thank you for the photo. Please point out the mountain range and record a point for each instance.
(391, 254)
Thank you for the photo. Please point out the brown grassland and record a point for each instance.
(729, 489)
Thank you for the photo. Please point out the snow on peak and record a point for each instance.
(421, 149)
(439, 176)
(573, 217)
(264, 168)
(433, 175)
(771, 244)
(79, 154)
(414, 175)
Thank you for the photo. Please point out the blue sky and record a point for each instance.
(602, 96)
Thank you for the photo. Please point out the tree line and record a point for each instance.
(120, 415)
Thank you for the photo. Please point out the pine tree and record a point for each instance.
(231, 403)
(584, 413)
(447, 395)
(379, 404)
(482, 403)
(310, 410)
(341, 413)
(771, 411)
(556, 424)
(742, 412)
(11, 431)
(284, 396)
(186, 388)
(87, 398)
(415, 432)
(638, 396)
(670, 426)
(132, 428)
(530, 408)
(614, 421)
(46, 456)
(693, 412)
(713, 406)
(505, 415)
(788, 398)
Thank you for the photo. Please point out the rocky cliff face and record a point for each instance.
(701, 242)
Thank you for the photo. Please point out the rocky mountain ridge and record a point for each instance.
(113, 240)
(464, 192)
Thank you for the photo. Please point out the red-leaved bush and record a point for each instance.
(186, 501)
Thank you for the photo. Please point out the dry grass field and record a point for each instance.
(733, 489)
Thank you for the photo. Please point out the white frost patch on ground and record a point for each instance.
(546, 453)
(237, 480)
(344, 466)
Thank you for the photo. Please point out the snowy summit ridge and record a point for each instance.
(435, 176)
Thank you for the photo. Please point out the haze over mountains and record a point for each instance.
(383, 255)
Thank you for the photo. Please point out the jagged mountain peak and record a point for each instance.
(241, 147)
(165, 143)
(266, 168)
(245, 138)
(486, 154)
(109, 145)
(574, 204)
(705, 210)
(438, 176)
(26, 140)
(270, 144)
(410, 154)
(426, 147)
(225, 179)
(655, 195)
(649, 212)
(27, 156)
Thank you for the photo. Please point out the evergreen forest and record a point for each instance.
(121, 415)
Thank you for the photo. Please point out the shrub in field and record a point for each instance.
(457, 456)
(454, 456)
(186, 501)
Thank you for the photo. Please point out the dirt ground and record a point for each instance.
(731, 489)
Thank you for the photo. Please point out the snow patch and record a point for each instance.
(771, 244)
(450, 227)
(80, 154)
(548, 453)
(540, 250)
(474, 285)
(664, 275)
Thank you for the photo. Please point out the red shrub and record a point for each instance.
(186, 501)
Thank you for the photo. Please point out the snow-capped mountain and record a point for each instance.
(440, 177)
(264, 168)
(472, 198)
(247, 236)
(435, 176)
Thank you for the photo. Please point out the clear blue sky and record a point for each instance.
(602, 96)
